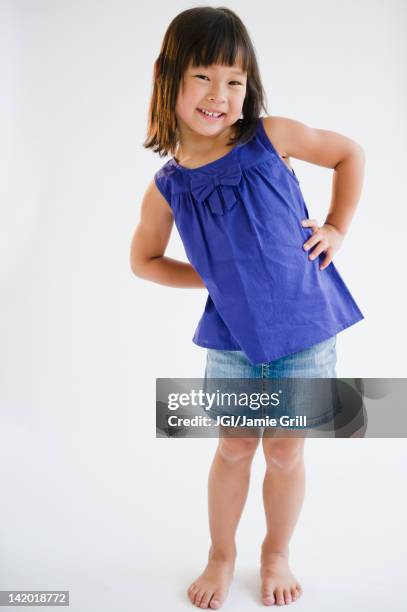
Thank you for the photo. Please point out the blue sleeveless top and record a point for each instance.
(239, 218)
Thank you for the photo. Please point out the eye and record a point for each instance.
(203, 76)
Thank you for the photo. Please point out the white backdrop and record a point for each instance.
(90, 499)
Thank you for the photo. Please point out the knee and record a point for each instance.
(283, 455)
(237, 449)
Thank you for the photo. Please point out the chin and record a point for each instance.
(211, 126)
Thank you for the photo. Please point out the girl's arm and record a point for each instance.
(332, 150)
(150, 240)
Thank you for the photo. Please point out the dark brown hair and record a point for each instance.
(203, 36)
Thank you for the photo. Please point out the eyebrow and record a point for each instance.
(208, 67)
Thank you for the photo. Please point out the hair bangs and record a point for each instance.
(222, 46)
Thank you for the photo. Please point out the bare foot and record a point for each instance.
(279, 585)
(211, 588)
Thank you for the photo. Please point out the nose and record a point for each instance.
(217, 95)
(217, 101)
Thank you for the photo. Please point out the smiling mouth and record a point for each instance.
(210, 115)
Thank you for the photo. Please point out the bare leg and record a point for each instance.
(228, 486)
(283, 494)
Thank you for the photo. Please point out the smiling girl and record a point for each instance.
(275, 298)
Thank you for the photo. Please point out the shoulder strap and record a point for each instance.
(263, 136)
(161, 180)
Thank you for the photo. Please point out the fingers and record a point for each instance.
(312, 223)
(318, 239)
(313, 240)
(327, 260)
(321, 246)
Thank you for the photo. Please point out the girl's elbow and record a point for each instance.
(135, 261)
(140, 266)
(137, 267)
(136, 258)
(360, 151)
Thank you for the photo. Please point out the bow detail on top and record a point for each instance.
(216, 190)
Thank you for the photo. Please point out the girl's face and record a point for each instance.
(218, 88)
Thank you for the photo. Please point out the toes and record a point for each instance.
(287, 596)
(205, 599)
(299, 590)
(198, 597)
(191, 592)
(294, 594)
(268, 598)
(280, 597)
(215, 602)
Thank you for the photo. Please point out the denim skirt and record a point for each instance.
(316, 399)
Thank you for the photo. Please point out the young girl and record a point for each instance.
(275, 299)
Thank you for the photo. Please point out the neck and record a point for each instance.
(192, 146)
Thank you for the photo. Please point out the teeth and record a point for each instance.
(210, 114)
